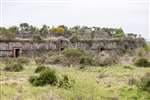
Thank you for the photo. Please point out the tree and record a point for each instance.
(58, 30)
(24, 26)
(44, 31)
(119, 33)
(13, 29)
(7, 34)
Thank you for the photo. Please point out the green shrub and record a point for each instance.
(145, 83)
(40, 68)
(35, 81)
(47, 76)
(16, 67)
(142, 62)
(65, 82)
(86, 60)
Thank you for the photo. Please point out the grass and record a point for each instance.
(91, 83)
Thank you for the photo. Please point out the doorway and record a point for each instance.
(17, 52)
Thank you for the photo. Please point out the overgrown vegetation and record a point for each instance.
(38, 34)
(16, 67)
(65, 82)
(98, 83)
(47, 76)
(40, 68)
(145, 83)
(142, 62)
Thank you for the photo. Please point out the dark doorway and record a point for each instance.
(101, 49)
(126, 46)
(16, 52)
(61, 49)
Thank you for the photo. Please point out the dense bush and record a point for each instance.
(47, 76)
(16, 67)
(40, 68)
(145, 83)
(65, 82)
(35, 81)
(142, 62)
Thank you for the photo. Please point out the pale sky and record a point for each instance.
(131, 15)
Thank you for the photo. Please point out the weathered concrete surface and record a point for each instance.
(96, 45)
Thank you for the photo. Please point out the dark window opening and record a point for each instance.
(61, 41)
(16, 52)
(101, 49)
(61, 49)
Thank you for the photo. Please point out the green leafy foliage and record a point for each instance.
(65, 82)
(145, 83)
(47, 76)
(119, 33)
(142, 62)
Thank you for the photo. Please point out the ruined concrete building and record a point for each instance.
(15, 48)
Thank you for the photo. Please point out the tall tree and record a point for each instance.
(44, 31)
(119, 33)
(24, 27)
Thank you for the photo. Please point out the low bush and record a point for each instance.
(65, 82)
(142, 62)
(40, 68)
(47, 76)
(145, 83)
(16, 67)
(35, 81)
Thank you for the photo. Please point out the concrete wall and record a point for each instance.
(7, 47)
